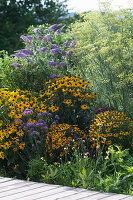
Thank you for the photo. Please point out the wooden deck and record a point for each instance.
(14, 189)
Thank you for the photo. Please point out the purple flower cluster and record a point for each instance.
(53, 27)
(51, 63)
(42, 49)
(53, 76)
(55, 50)
(28, 111)
(27, 52)
(20, 55)
(48, 38)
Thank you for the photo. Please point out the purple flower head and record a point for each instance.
(39, 124)
(45, 127)
(33, 145)
(53, 27)
(57, 117)
(73, 43)
(19, 120)
(16, 65)
(37, 30)
(59, 31)
(48, 38)
(54, 46)
(20, 55)
(63, 53)
(43, 49)
(41, 121)
(25, 38)
(62, 64)
(30, 124)
(29, 60)
(27, 52)
(44, 113)
(30, 37)
(51, 63)
(27, 112)
(54, 123)
(55, 50)
(35, 133)
(66, 44)
(39, 37)
(53, 76)
(39, 115)
(69, 53)
(49, 114)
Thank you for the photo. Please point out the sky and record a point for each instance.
(86, 5)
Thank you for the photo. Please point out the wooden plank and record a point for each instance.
(82, 194)
(27, 194)
(44, 194)
(119, 197)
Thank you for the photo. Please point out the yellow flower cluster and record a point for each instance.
(68, 90)
(13, 104)
(111, 127)
(62, 138)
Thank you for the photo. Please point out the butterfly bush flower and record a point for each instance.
(27, 52)
(39, 37)
(37, 30)
(54, 46)
(62, 64)
(69, 53)
(73, 43)
(59, 31)
(25, 38)
(53, 27)
(55, 50)
(66, 44)
(20, 55)
(42, 49)
(51, 63)
(48, 38)
(16, 65)
(30, 37)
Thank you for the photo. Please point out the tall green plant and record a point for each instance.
(103, 55)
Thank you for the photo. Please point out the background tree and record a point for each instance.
(17, 15)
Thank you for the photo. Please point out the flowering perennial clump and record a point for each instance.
(68, 96)
(111, 127)
(62, 139)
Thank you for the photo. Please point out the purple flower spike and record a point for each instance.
(69, 53)
(39, 37)
(43, 49)
(73, 43)
(53, 76)
(37, 30)
(44, 113)
(63, 64)
(53, 27)
(16, 65)
(48, 38)
(54, 46)
(27, 52)
(30, 37)
(25, 38)
(20, 55)
(66, 44)
(51, 63)
(55, 50)
(59, 31)
(38, 142)
(19, 120)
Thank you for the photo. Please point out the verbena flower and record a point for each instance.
(39, 37)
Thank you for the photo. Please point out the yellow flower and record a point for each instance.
(84, 107)
(1, 155)
(22, 145)
(16, 166)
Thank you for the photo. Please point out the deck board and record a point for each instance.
(14, 189)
